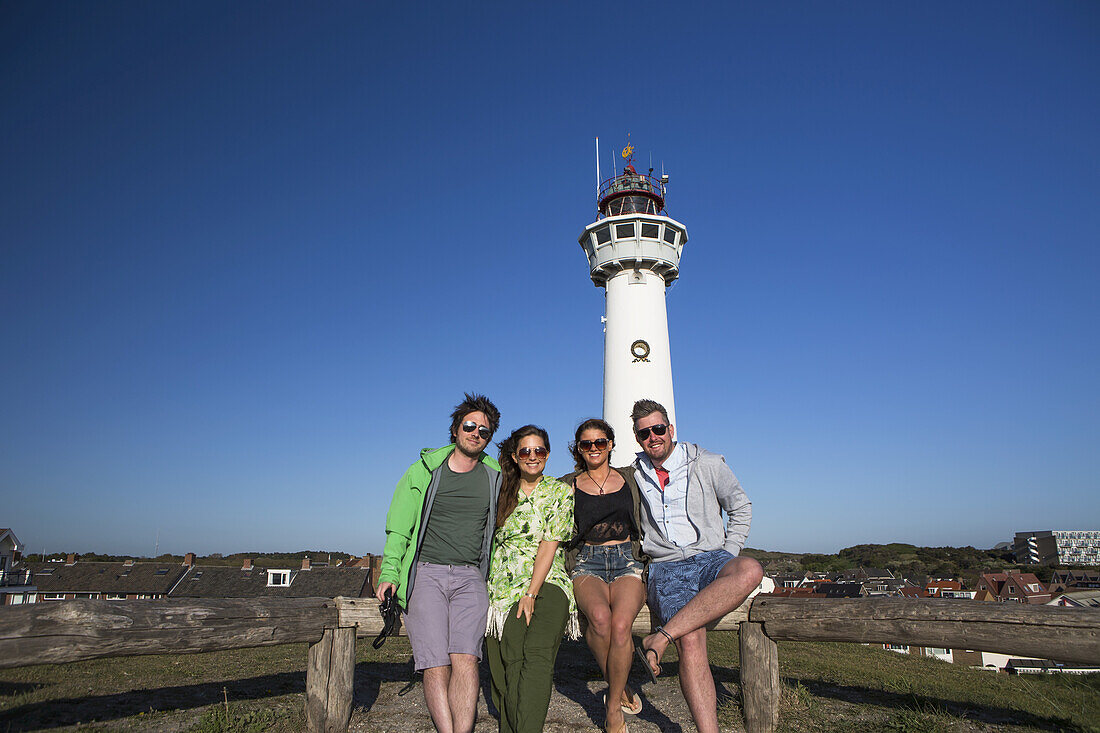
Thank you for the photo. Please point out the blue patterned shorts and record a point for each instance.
(672, 584)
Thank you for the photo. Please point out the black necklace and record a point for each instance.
(598, 484)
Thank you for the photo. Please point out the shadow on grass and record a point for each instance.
(922, 703)
(369, 677)
(71, 711)
(8, 689)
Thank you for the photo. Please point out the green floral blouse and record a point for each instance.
(545, 515)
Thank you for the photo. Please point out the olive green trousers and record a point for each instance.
(522, 662)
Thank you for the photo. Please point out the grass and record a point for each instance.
(826, 687)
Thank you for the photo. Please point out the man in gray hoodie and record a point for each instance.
(695, 575)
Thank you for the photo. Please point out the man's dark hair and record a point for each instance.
(473, 403)
(647, 407)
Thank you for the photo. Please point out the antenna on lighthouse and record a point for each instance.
(597, 166)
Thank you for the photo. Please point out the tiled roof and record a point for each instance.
(216, 581)
(104, 577)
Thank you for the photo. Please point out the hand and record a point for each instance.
(526, 608)
(380, 591)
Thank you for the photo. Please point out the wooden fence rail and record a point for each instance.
(69, 631)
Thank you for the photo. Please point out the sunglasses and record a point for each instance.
(470, 426)
(538, 450)
(598, 444)
(658, 429)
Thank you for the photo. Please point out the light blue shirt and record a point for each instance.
(669, 507)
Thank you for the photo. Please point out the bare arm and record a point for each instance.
(544, 558)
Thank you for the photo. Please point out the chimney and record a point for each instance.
(305, 563)
(247, 564)
(189, 559)
(71, 558)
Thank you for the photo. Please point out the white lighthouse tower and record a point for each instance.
(633, 252)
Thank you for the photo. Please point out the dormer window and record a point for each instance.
(278, 578)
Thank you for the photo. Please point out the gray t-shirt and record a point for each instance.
(456, 527)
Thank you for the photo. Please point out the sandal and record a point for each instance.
(642, 653)
(622, 729)
(629, 709)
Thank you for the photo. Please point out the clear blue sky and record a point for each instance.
(254, 252)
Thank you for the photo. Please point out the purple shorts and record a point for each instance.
(447, 613)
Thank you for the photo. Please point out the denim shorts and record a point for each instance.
(675, 582)
(608, 562)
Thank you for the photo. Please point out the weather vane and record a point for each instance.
(628, 151)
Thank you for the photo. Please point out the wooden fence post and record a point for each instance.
(330, 677)
(759, 679)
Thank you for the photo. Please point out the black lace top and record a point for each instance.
(603, 517)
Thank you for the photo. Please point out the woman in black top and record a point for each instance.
(605, 561)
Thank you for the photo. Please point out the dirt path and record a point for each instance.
(575, 704)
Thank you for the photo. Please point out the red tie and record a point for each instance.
(662, 477)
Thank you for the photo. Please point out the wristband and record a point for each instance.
(531, 595)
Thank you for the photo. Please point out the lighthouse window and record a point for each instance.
(670, 235)
(603, 235)
(624, 231)
(649, 231)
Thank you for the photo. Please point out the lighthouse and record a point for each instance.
(633, 251)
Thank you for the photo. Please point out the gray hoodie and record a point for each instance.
(712, 489)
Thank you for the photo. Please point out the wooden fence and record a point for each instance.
(69, 631)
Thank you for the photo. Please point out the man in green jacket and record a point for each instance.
(438, 534)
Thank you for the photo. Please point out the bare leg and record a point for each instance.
(462, 692)
(735, 581)
(627, 596)
(436, 694)
(594, 601)
(697, 682)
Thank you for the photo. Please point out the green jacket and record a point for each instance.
(410, 509)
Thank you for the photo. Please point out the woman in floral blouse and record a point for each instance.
(530, 596)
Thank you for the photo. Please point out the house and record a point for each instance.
(792, 593)
(936, 587)
(862, 575)
(991, 661)
(964, 594)
(911, 591)
(1016, 587)
(372, 563)
(110, 581)
(1077, 599)
(14, 581)
(248, 581)
(1061, 580)
(789, 580)
(940, 653)
(1047, 666)
(840, 590)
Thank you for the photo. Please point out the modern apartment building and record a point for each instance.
(1058, 547)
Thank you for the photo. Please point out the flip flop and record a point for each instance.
(628, 709)
(642, 655)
